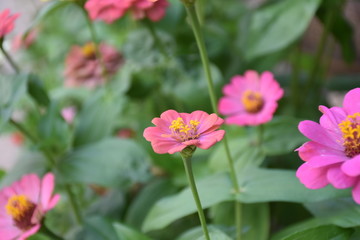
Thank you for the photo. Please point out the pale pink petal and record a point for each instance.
(53, 201)
(351, 101)
(338, 179)
(30, 232)
(165, 146)
(311, 177)
(176, 148)
(316, 133)
(47, 188)
(9, 233)
(230, 106)
(208, 123)
(170, 115)
(31, 187)
(210, 139)
(352, 166)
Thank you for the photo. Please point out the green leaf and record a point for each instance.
(110, 162)
(328, 232)
(264, 185)
(37, 91)
(277, 25)
(126, 233)
(197, 233)
(212, 190)
(48, 10)
(97, 120)
(281, 136)
(141, 205)
(97, 228)
(12, 89)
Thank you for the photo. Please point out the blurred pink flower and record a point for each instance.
(250, 99)
(153, 9)
(17, 138)
(107, 10)
(6, 22)
(68, 114)
(175, 131)
(24, 40)
(24, 205)
(332, 155)
(82, 68)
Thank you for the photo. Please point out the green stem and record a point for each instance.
(73, 204)
(45, 230)
(9, 59)
(195, 25)
(190, 177)
(260, 131)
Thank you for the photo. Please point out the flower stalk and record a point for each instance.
(195, 25)
(186, 155)
(9, 59)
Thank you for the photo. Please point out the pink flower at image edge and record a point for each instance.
(7, 22)
(250, 99)
(175, 131)
(333, 154)
(24, 205)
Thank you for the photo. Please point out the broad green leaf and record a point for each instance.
(197, 233)
(126, 233)
(277, 25)
(212, 190)
(37, 91)
(98, 118)
(97, 228)
(264, 185)
(141, 205)
(281, 136)
(329, 232)
(111, 162)
(12, 89)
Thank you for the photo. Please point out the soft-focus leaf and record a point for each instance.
(328, 232)
(37, 91)
(282, 136)
(197, 233)
(98, 228)
(110, 162)
(212, 190)
(97, 119)
(12, 89)
(127, 233)
(277, 25)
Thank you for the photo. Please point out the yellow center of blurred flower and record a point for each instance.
(182, 131)
(350, 129)
(21, 210)
(88, 50)
(252, 101)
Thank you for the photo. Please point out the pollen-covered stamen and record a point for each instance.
(184, 132)
(252, 101)
(89, 50)
(21, 210)
(350, 129)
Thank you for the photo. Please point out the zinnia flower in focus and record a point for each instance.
(175, 131)
(153, 9)
(24, 204)
(107, 10)
(333, 154)
(250, 99)
(83, 68)
(6, 22)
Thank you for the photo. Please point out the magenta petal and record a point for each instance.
(30, 232)
(312, 178)
(352, 166)
(9, 233)
(315, 132)
(229, 106)
(313, 149)
(351, 101)
(326, 160)
(47, 188)
(338, 179)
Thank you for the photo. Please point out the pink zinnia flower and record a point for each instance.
(83, 68)
(152, 9)
(332, 155)
(250, 99)
(24, 40)
(24, 204)
(6, 22)
(175, 131)
(107, 10)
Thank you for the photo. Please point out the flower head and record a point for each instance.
(152, 9)
(24, 204)
(250, 99)
(83, 68)
(333, 154)
(175, 131)
(6, 22)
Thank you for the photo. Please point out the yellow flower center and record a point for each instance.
(88, 50)
(252, 101)
(21, 210)
(350, 129)
(182, 131)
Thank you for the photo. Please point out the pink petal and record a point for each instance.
(166, 146)
(356, 192)
(30, 232)
(176, 148)
(312, 178)
(351, 101)
(312, 149)
(327, 160)
(9, 233)
(230, 106)
(31, 187)
(170, 115)
(338, 179)
(210, 139)
(352, 166)
(47, 188)
(332, 117)
(315, 132)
